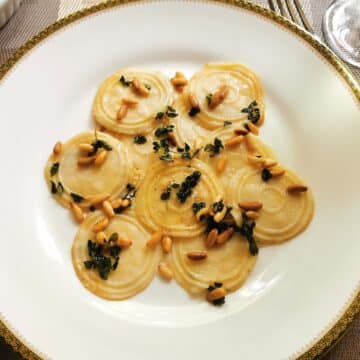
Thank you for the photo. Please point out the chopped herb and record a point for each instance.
(130, 192)
(92, 208)
(214, 148)
(115, 264)
(53, 188)
(175, 185)
(60, 188)
(113, 237)
(253, 112)
(166, 157)
(218, 206)
(54, 169)
(125, 82)
(218, 284)
(165, 195)
(211, 288)
(148, 86)
(114, 251)
(164, 130)
(209, 98)
(159, 115)
(140, 139)
(247, 230)
(219, 302)
(227, 123)
(186, 186)
(156, 146)
(193, 111)
(171, 112)
(197, 206)
(77, 198)
(266, 174)
(185, 153)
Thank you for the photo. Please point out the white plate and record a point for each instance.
(297, 291)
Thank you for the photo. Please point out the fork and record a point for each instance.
(299, 19)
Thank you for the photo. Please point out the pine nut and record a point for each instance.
(172, 139)
(252, 214)
(254, 160)
(251, 205)
(97, 199)
(197, 255)
(100, 225)
(250, 144)
(138, 88)
(219, 96)
(179, 74)
(234, 141)
(154, 239)
(129, 102)
(278, 171)
(108, 209)
(215, 294)
(211, 238)
(166, 243)
(165, 271)
(268, 163)
(240, 131)
(100, 158)
(100, 238)
(125, 203)
(194, 103)
(122, 112)
(253, 128)
(123, 243)
(117, 203)
(86, 147)
(202, 212)
(57, 148)
(85, 160)
(224, 236)
(179, 81)
(221, 164)
(220, 215)
(77, 212)
(296, 188)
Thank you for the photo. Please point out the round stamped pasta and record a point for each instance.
(187, 130)
(87, 181)
(229, 264)
(283, 215)
(137, 265)
(140, 118)
(172, 216)
(244, 88)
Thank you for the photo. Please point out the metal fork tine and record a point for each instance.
(303, 17)
(281, 7)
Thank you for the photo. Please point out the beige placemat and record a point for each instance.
(35, 15)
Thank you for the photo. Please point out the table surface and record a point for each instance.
(35, 15)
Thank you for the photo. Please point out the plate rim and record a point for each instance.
(325, 341)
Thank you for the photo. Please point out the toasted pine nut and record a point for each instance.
(100, 238)
(179, 74)
(221, 164)
(277, 171)
(117, 203)
(97, 199)
(77, 212)
(240, 131)
(86, 160)
(211, 238)
(253, 128)
(215, 294)
(268, 163)
(100, 225)
(234, 141)
(197, 255)
(251, 205)
(220, 215)
(122, 112)
(254, 160)
(101, 157)
(250, 144)
(126, 203)
(57, 148)
(252, 214)
(129, 102)
(86, 147)
(123, 243)
(154, 239)
(194, 103)
(179, 81)
(202, 212)
(108, 209)
(165, 271)
(166, 243)
(172, 139)
(219, 96)
(224, 236)
(138, 88)
(296, 188)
